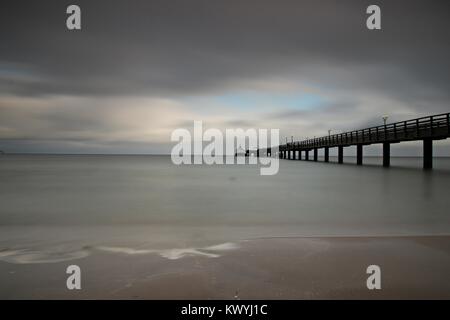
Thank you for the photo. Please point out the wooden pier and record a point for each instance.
(427, 129)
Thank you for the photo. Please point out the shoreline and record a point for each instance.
(278, 268)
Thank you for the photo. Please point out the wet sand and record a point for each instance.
(270, 268)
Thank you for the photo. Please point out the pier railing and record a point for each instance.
(427, 129)
(434, 127)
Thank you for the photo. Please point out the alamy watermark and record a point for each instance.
(374, 280)
(233, 147)
(73, 282)
(73, 21)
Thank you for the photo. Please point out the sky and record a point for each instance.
(137, 70)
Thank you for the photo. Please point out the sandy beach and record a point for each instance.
(276, 268)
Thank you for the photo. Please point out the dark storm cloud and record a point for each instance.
(331, 109)
(178, 47)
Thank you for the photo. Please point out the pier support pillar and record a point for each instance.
(306, 155)
(299, 155)
(386, 154)
(359, 154)
(340, 154)
(327, 154)
(428, 153)
(289, 154)
(315, 154)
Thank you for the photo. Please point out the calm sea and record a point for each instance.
(51, 205)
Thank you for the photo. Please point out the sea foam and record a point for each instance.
(27, 256)
(30, 256)
(175, 253)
